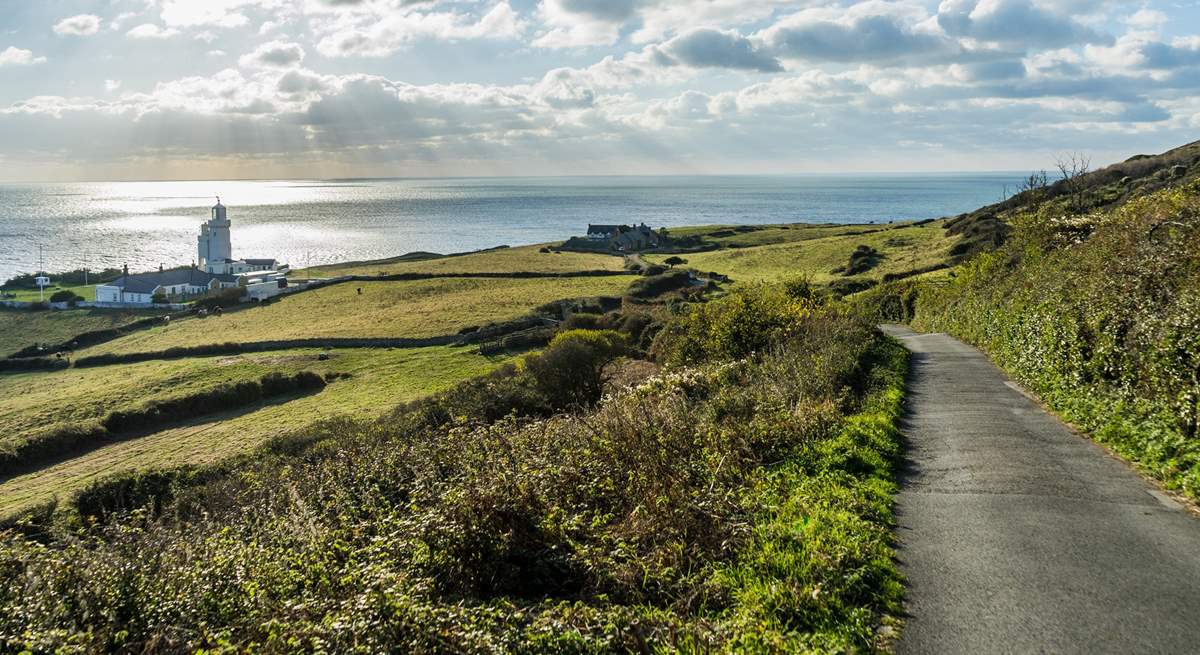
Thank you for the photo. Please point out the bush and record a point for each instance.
(33, 364)
(846, 287)
(570, 372)
(220, 298)
(893, 302)
(658, 284)
(863, 259)
(65, 295)
(744, 322)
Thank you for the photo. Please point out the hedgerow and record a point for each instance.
(68, 439)
(1098, 313)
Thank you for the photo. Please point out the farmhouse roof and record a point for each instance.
(148, 282)
(604, 229)
(260, 262)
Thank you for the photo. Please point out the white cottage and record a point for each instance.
(140, 288)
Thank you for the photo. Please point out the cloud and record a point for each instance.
(274, 53)
(151, 31)
(866, 32)
(381, 33)
(1140, 52)
(1014, 21)
(1146, 19)
(211, 13)
(590, 23)
(581, 23)
(81, 25)
(12, 56)
(722, 81)
(712, 48)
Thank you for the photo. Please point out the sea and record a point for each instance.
(66, 226)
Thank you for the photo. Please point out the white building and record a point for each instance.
(214, 245)
(214, 248)
(140, 288)
(217, 269)
(264, 284)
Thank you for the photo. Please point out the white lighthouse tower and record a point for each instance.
(214, 248)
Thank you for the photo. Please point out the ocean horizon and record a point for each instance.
(310, 222)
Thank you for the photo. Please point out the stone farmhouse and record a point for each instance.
(624, 238)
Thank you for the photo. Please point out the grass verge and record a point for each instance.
(791, 596)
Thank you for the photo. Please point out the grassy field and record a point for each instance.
(32, 295)
(504, 260)
(419, 308)
(20, 328)
(745, 236)
(379, 380)
(822, 250)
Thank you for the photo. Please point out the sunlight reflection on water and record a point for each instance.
(147, 223)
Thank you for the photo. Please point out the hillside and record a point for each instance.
(1091, 303)
(670, 513)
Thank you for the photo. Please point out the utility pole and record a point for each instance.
(41, 274)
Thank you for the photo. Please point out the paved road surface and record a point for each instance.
(1018, 536)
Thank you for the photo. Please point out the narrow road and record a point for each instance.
(1019, 536)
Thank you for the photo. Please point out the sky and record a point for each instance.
(258, 89)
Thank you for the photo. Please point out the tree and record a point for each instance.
(674, 260)
(1073, 168)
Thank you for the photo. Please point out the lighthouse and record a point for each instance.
(214, 249)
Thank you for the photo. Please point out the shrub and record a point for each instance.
(570, 372)
(658, 284)
(33, 364)
(846, 287)
(220, 298)
(731, 507)
(744, 322)
(892, 302)
(65, 295)
(863, 259)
